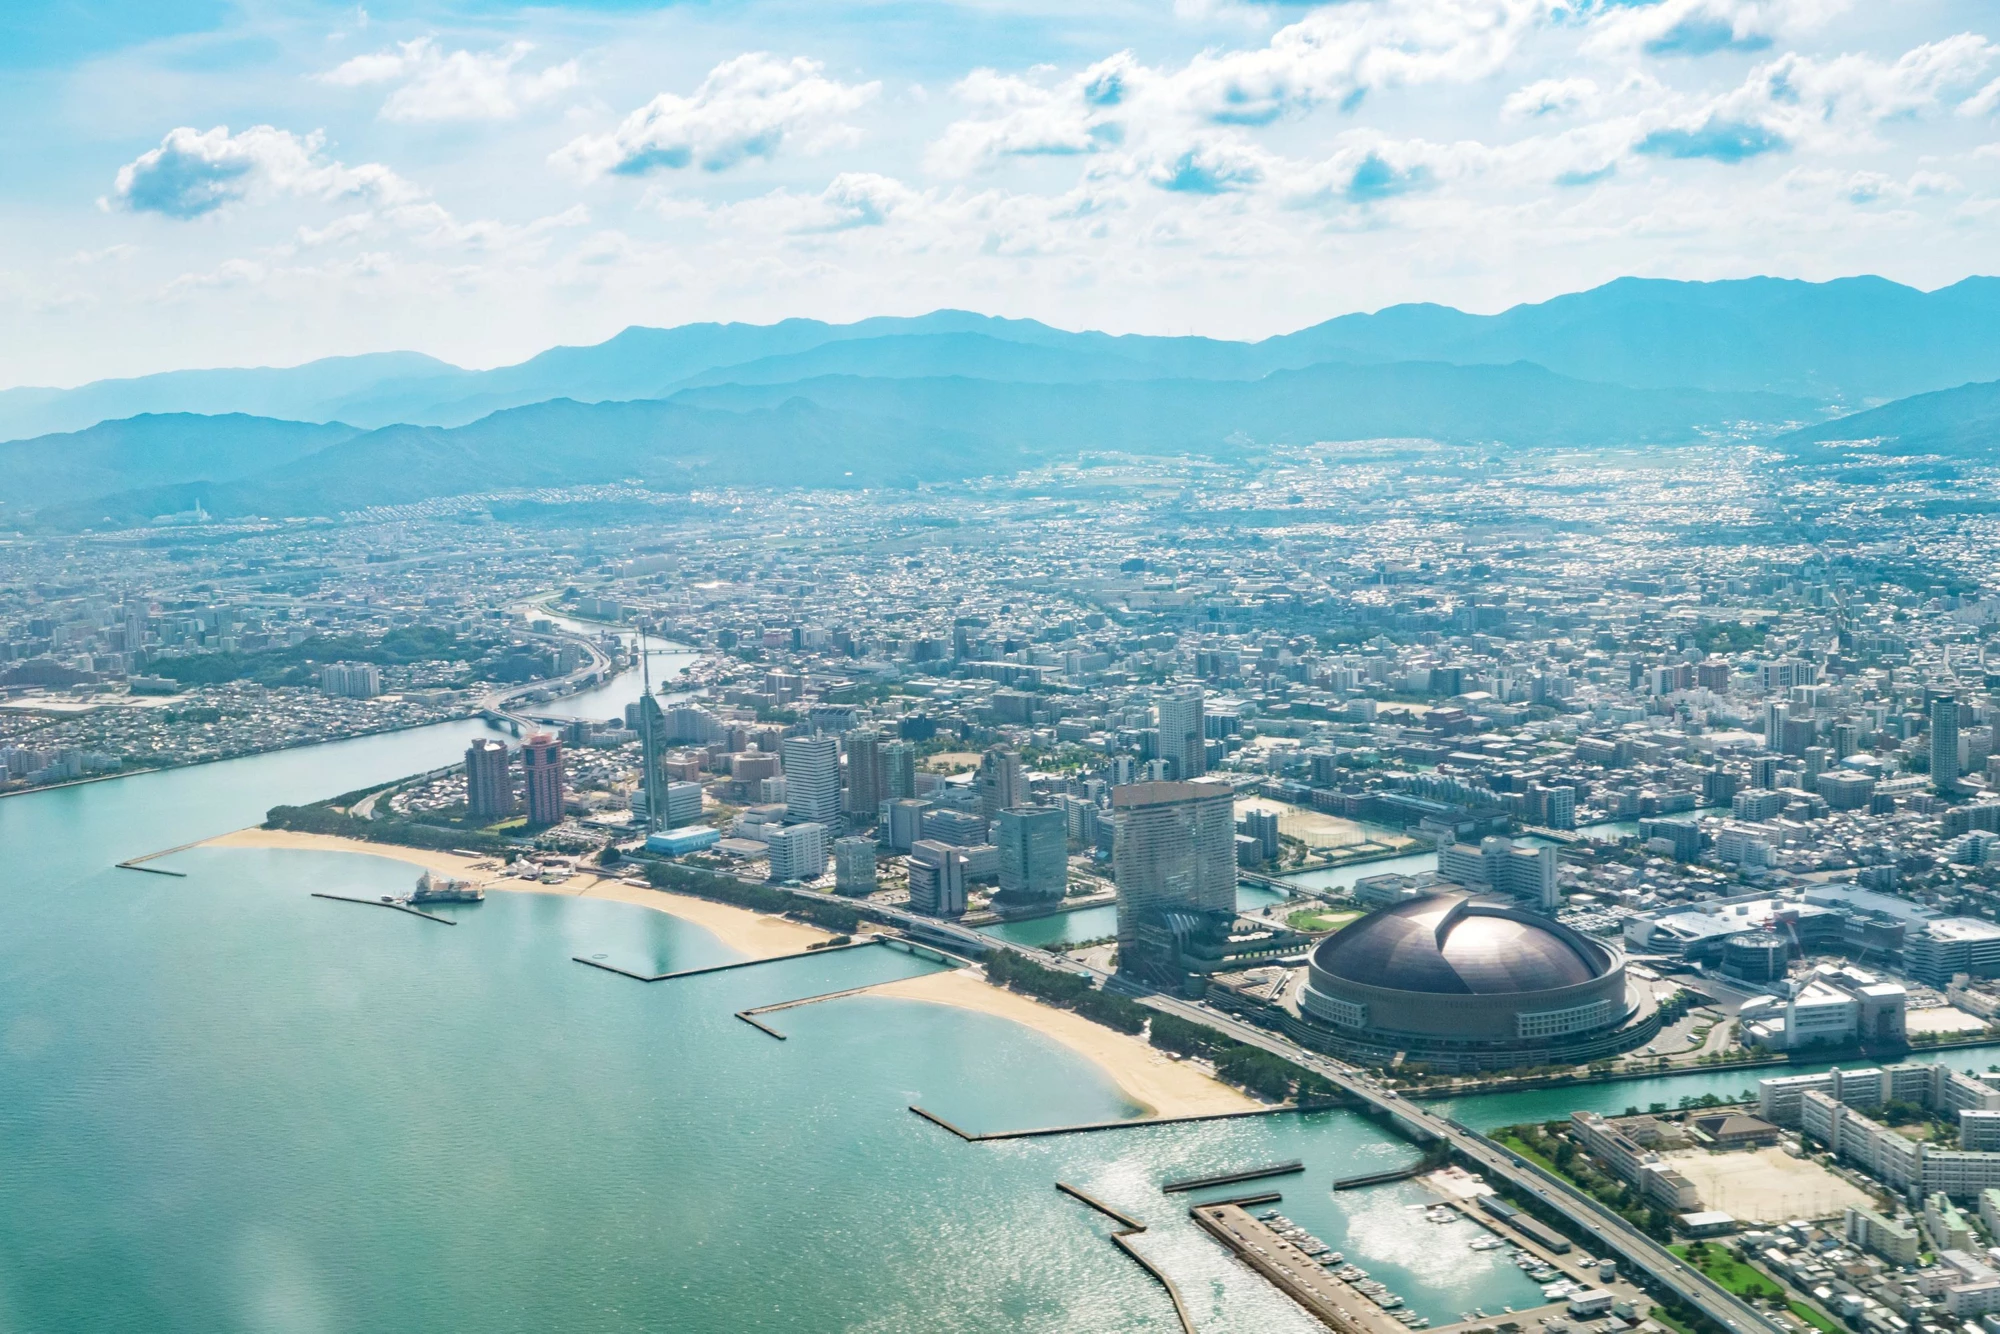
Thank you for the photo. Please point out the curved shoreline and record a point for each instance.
(1149, 1077)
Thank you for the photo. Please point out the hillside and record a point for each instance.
(1962, 421)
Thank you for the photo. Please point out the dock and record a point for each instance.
(1129, 1227)
(1231, 1178)
(725, 967)
(386, 903)
(1293, 1272)
(139, 863)
(1089, 1127)
(744, 1015)
(1417, 1168)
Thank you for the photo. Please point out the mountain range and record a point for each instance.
(896, 400)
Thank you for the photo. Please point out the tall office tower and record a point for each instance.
(864, 772)
(797, 851)
(901, 823)
(1002, 782)
(899, 770)
(1180, 733)
(812, 778)
(1764, 771)
(1775, 714)
(854, 865)
(937, 879)
(1174, 861)
(1944, 744)
(682, 802)
(1846, 739)
(1034, 856)
(542, 778)
(489, 785)
(652, 778)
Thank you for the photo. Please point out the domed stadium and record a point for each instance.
(1458, 982)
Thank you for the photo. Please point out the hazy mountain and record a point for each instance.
(300, 393)
(1960, 421)
(151, 451)
(1518, 405)
(1853, 341)
(838, 431)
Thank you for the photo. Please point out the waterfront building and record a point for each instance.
(797, 851)
(1181, 739)
(687, 838)
(854, 865)
(1261, 827)
(937, 879)
(489, 780)
(1460, 982)
(1034, 856)
(865, 776)
(812, 778)
(542, 778)
(1174, 863)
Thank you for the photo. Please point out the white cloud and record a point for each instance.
(1030, 117)
(1550, 97)
(851, 200)
(193, 172)
(440, 85)
(1701, 27)
(747, 107)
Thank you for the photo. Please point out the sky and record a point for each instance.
(209, 183)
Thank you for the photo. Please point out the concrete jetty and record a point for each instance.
(386, 903)
(1130, 1227)
(1089, 1126)
(1231, 1178)
(745, 1016)
(726, 967)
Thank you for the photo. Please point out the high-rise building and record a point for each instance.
(1181, 733)
(1034, 856)
(1174, 861)
(1263, 826)
(542, 778)
(652, 738)
(899, 770)
(351, 680)
(812, 778)
(489, 783)
(961, 829)
(683, 804)
(937, 879)
(854, 865)
(1002, 782)
(1525, 871)
(864, 772)
(1944, 744)
(797, 851)
(901, 822)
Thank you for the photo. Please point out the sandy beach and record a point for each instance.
(750, 934)
(1148, 1076)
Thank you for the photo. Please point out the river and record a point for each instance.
(231, 1106)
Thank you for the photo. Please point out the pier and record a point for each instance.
(1293, 1272)
(1383, 1178)
(726, 967)
(385, 903)
(745, 1016)
(1089, 1126)
(1231, 1178)
(139, 863)
(1130, 1227)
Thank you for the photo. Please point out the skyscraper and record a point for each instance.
(864, 772)
(1034, 856)
(812, 779)
(542, 778)
(937, 879)
(854, 865)
(899, 770)
(489, 784)
(652, 732)
(1181, 732)
(1002, 782)
(1174, 860)
(1944, 744)
(798, 851)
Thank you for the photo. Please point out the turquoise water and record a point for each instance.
(231, 1106)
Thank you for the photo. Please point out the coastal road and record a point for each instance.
(1610, 1232)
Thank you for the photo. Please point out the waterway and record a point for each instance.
(231, 1106)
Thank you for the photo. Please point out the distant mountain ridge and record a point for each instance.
(1851, 342)
(1958, 422)
(861, 431)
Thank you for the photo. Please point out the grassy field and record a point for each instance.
(1731, 1273)
(1321, 919)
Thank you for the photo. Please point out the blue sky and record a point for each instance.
(208, 182)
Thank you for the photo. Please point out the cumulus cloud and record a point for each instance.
(852, 200)
(439, 85)
(1025, 117)
(193, 173)
(1213, 167)
(1550, 97)
(748, 107)
(1702, 27)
